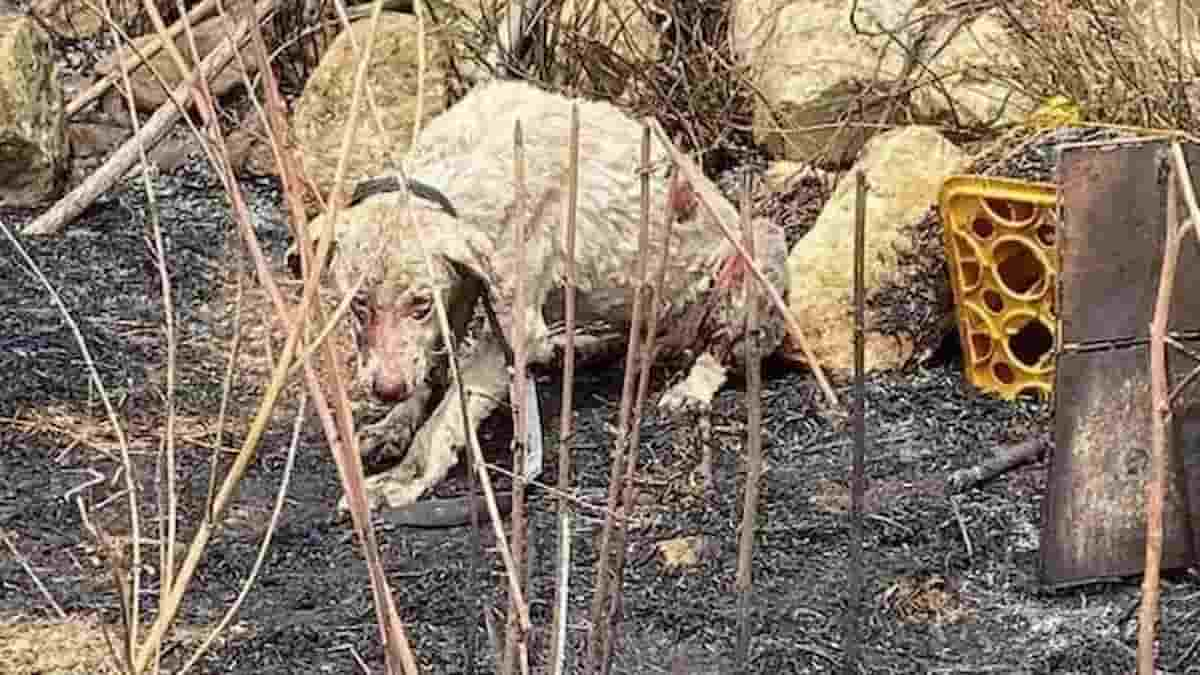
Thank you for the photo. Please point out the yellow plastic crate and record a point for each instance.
(999, 236)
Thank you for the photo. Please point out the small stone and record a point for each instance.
(682, 552)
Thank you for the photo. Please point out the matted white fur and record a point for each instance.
(467, 153)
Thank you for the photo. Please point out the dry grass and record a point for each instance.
(1119, 63)
(917, 599)
(79, 646)
(671, 59)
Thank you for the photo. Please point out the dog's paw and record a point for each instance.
(378, 444)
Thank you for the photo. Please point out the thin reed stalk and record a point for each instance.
(558, 640)
(855, 573)
(645, 361)
(1160, 421)
(395, 641)
(600, 592)
(265, 546)
(514, 638)
(754, 459)
(167, 560)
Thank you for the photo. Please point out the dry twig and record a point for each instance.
(855, 574)
(558, 639)
(600, 593)
(75, 202)
(645, 363)
(24, 562)
(754, 433)
(1160, 417)
(514, 638)
(1002, 459)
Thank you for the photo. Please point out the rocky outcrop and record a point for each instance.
(904, 170)
(324, 108)
(878, 61)
(33, 145)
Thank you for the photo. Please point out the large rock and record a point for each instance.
(33, 142)
(814, 64)
(967, 92)
(324, 107)
(148, 93)
(902, 269)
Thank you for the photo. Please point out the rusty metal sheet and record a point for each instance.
(1112, 223)
(1093, 515)
(1187, 442)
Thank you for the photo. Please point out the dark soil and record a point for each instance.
(951, 584)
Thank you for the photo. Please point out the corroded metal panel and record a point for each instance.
(1187, 443)
(1094, 509)
(1110, 245)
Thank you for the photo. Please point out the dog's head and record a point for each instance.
(380, 258)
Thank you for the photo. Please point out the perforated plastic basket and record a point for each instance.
(999, 236)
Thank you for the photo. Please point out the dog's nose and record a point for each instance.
(389, 389)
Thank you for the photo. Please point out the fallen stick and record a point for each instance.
(1004, 458)
(75, 202)
(198, 13)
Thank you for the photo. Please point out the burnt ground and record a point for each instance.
(951, 585)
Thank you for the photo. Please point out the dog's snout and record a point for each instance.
(389, 389)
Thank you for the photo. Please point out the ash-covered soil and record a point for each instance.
(950, 586)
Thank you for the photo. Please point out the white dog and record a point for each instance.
(465, 224)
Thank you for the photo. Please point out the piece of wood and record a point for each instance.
(1003, 459)
(78, 200)
(198, 13)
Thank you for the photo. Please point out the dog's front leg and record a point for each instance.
(434, 450)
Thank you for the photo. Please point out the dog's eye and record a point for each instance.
(422, 305)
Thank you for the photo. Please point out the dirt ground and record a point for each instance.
(951, 583)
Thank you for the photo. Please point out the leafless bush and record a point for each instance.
(1119, 65)
(669, 59)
